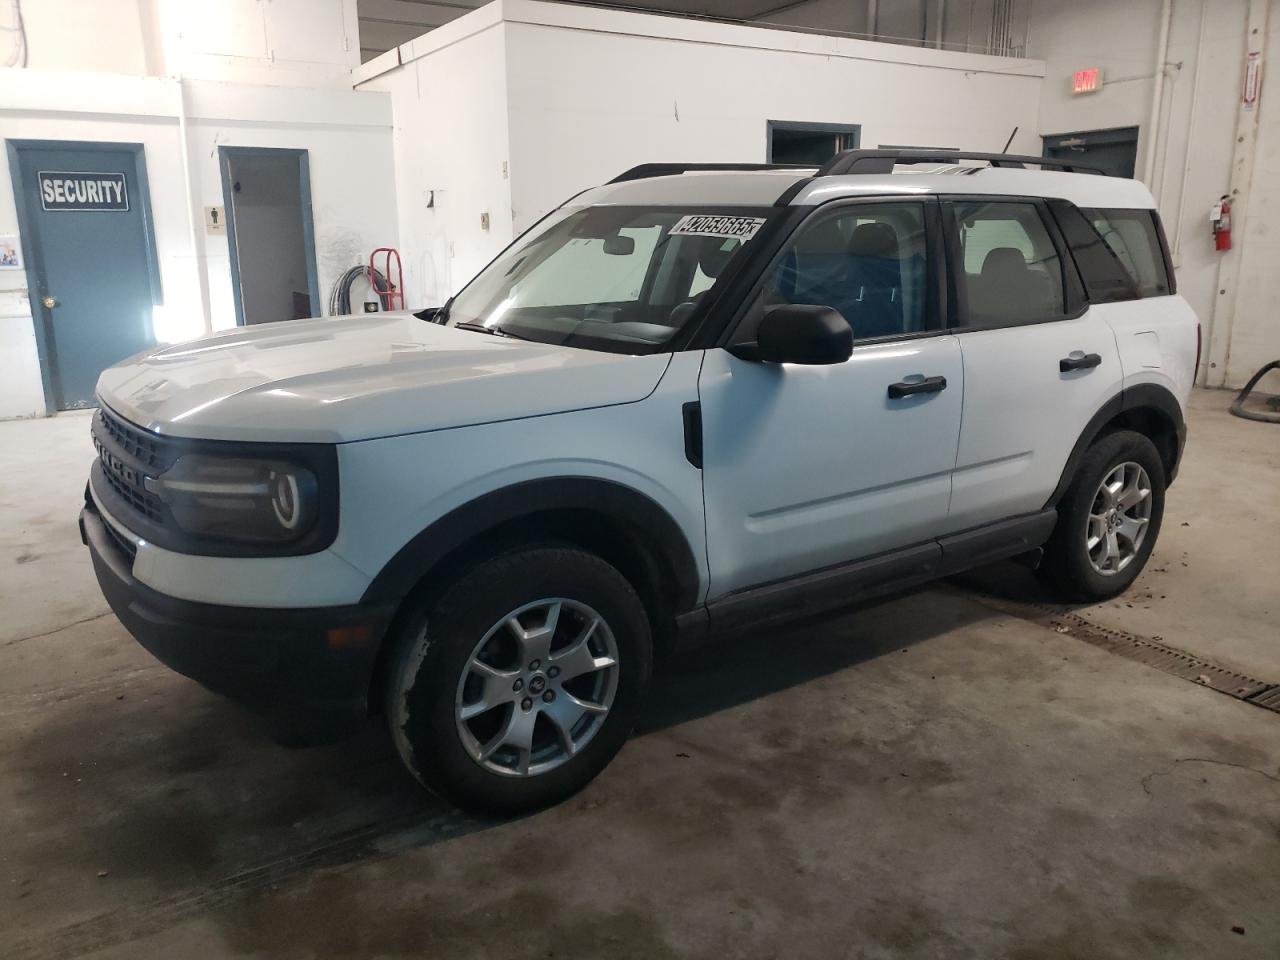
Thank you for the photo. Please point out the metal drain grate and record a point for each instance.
(1152, 651)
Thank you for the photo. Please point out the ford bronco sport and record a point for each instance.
(696, 399)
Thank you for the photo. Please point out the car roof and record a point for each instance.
(803, 187)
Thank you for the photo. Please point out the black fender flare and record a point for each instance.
(1145, 396)
(610, 500)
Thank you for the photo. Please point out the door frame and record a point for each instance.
(41, 319)
(228, 153)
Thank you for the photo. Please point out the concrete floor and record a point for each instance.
(927, 777)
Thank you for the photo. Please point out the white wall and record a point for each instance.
(98, 35)
(1204, 73)
(517, 106)
(347, 136)
(289, 42)
(1252, 337)
(450, 107)
(593, 92)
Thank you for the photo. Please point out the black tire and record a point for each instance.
(1066, 566)
(436, 645)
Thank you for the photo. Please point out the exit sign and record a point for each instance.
(1086, 81)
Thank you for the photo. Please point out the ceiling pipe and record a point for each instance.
(1157, 95)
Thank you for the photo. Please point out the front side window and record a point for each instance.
(1010, 270)
(867, 260)
(621, 279)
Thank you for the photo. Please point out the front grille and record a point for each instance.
(127, 456)
(146, 448)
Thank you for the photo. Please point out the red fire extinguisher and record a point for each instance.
(1222, 224)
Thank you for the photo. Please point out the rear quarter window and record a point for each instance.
(1133, 238)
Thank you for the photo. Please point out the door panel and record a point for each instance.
(1114, 151)
(805, 467)
(1037, 363)
(87, 227)
(1023, 414)
(810, 466)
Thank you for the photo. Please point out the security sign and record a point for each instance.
(83, 191)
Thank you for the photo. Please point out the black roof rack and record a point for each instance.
(883, 161)
(646, 170)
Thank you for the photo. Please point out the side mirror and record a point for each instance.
(619, 246)
(799, 333)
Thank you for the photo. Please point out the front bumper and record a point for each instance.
(309, 668)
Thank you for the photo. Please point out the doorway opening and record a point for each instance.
(1114, 151)
(267, 196)
(809, 143)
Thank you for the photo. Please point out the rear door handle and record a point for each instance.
(1079, 363)
(909, 388)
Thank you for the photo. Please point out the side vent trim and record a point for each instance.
(692, 413)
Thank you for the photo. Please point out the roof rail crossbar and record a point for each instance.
(646, 170)
(883, 161)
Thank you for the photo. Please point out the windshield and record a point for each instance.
(622, 279)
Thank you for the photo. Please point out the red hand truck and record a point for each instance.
(391, 291)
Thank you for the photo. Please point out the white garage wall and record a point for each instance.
(565, 97)
(1253, 335)
(288, 42)
(450, 107)
(347, 136)
(1203, 78)
(594, 92)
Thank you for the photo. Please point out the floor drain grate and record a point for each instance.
(1152, 651)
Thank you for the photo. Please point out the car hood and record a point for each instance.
(339, 379)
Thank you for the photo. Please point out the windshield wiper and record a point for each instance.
(494, 331)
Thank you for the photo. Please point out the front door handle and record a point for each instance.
(1083, 362)
(909, 388)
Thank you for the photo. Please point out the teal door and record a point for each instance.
(1114, 152)
(86, 230)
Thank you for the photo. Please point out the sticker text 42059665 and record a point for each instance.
(711, 225)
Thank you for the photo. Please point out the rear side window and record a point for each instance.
(1011, 272)
(1106, 278)
(1133, 237)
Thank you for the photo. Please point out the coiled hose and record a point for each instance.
(340, 296)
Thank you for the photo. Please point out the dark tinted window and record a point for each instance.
(867, 260)
(1010, 270)
(1105, 278)
(1132, 236)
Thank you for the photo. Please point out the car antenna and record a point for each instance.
(1008, 143)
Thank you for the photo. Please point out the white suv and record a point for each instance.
(694, 400)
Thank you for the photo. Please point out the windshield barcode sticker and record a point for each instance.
(707, 225)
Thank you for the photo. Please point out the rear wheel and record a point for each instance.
(1108, 520)
(521, 683)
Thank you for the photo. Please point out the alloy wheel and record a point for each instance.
(537, 687)
(1119, 518)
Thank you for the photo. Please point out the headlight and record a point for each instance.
(238, 498)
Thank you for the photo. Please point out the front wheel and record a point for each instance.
(1108, 519)
(521, 683)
